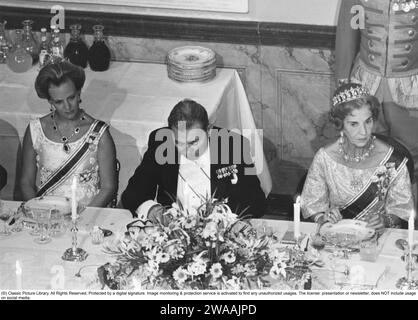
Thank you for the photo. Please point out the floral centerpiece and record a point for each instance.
(210, 249)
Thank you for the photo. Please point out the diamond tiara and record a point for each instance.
(349, 95)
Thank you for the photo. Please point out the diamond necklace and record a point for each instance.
(359, 157)
(65, 140)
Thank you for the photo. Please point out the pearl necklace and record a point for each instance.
(65, 140)
(359, 157)
(404, 5)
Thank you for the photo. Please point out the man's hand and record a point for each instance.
(155, 214)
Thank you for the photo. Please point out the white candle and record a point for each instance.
(296, 218)
(74, 199)
(411, 230)
(18, 276)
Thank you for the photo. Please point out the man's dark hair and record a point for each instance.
(190, 112)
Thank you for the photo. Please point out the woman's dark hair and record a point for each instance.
(340, 110)
(57, 74)
(190, 112)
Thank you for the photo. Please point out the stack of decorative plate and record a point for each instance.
(191, 63)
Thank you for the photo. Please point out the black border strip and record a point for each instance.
(189, 29)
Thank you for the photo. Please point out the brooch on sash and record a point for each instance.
(228, 171)
(92, 141)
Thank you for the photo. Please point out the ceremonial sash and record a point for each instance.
(69, 166)
(368, 196)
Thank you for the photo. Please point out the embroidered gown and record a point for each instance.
(330, 184)
(50, 156)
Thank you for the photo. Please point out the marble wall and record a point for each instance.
(289, 90)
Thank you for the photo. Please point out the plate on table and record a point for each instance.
(346, 232)
(188, 56)
(61, 204)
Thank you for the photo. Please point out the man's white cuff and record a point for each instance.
(143, 209)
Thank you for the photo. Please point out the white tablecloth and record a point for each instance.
(135, 98)
(42, 265)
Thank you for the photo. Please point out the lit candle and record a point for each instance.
(411, 229)
(296, 218)
(18, 276)
(74, 199)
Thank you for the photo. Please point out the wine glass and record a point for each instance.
(57, 223)
(32, 221)
(43, 219)
(5, 218)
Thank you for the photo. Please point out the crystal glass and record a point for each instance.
(5, 44)
(43, 219)
(44, 53)
(18, 225)
(18, 60)
(5, 229)
(97, 235)
(28, 41)
(99, 53)
(76, 50)
(56, 49)
(369, 249)
(57, 223)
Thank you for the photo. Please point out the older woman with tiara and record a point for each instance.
(358, 176)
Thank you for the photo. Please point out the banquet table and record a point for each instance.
(43, 268)
(134, 98)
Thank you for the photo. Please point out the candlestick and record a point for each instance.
(74, 198)
(407, 282)
(18, 276)
(74, 253)
(411, 228)
(296, 218)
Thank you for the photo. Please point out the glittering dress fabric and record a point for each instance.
(330, 184)
(50, 155)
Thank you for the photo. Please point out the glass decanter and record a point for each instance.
(76, 50)
(56, 48)
(44, 53)
(5, 44)
(28, 40)
(19, 60)
(99, 53)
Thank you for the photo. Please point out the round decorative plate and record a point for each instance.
(346, 232)
(191, 56)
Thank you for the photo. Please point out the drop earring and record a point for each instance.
(341, 139)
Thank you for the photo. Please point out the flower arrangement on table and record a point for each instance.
(212, 249)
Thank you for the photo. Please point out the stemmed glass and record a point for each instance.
(57, 223)
(43, 220)
(5, 218)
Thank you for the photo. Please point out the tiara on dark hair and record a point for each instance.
(349, 95)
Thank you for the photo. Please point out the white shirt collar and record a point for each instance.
(202, 161)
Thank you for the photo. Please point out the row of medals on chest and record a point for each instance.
(403, 5)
